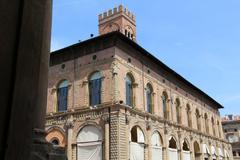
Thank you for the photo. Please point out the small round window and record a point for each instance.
(55, 142)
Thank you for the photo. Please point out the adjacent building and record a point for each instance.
(231, 127)
(110, 99)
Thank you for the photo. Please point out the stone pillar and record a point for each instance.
(69, 127)
(106, 137)
(192, 155)
(146, 148)
(25, 45)
(180, 154)
(86, 94)
(165, 153)
(115, 89)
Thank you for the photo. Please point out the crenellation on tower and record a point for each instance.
(118, 19)
(115, 11)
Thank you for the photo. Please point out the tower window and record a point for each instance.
(125, 32)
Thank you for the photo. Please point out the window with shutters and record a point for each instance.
(62, 96)
(149, 98)
(95, 84)
(129, 90)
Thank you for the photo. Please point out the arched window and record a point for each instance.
(178, 111)
(95, 84)
(89, 143)
(186, 150)
(213, 127)
(149, 97)
(137, 144)
(206, 123)
(198, 120)
(189, 119)
(156, 146)
(62, 96)
(165, 105)
(129, 90)
(172, 149)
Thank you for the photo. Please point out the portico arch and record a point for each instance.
(156, 146)
(137, 143)
(186, 150)
(172, 149)
(89, 143)
(197, 151)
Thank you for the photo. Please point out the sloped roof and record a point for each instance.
(116, 39)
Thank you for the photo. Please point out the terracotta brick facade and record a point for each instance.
(198, 122)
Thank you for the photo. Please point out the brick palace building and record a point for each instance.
(110, 99)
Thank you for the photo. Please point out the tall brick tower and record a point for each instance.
(118, 19)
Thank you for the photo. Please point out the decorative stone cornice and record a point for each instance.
(102, 110)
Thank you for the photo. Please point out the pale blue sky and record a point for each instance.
(199, 39)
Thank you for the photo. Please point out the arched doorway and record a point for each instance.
(172, 149)
(137, 144)
(89, 143)
(186, 151)
(197, 152)
(156, 146)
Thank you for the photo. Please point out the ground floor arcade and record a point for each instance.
(116, 132)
